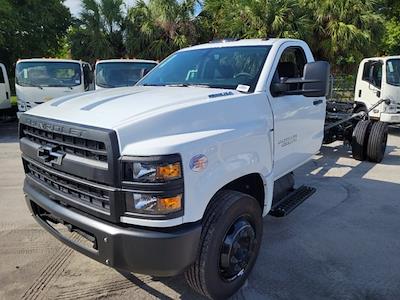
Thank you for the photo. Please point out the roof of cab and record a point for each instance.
(50, 60)
(382, 58)
(127, 60)
(241, 42)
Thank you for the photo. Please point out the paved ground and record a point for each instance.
(342, 243)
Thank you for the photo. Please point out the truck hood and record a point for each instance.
(111, 108)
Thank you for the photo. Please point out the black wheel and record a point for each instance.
(377, 142)
(229, 246)
(359, 139)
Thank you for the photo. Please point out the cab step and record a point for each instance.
(288, 203)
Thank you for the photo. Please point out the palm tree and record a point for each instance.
(99, 31)
(257, 19)
(158, 27)
(344, 31)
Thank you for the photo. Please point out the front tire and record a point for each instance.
(377, 142)
(229, 245)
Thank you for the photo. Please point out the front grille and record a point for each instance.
(78, 146)
(78, 191)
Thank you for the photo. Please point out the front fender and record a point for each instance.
(234, 134)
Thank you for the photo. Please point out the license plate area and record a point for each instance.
(65, 230)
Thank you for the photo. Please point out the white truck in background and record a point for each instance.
(379, 78)
(112, 73)
(175, 174)
(38, 80)
(5, 92)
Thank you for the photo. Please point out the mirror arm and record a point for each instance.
(301, 80)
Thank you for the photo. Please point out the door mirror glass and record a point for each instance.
(316, 79)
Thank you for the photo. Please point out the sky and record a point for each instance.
(75, 5)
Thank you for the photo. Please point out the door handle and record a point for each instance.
(318, 102)
(7, 96)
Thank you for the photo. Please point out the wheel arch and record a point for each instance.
(251, 184)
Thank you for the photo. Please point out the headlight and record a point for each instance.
(151, 204)
(153, 185)
(160, 169)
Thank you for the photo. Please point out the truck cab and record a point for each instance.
(379, 78)
(174, 175)
(112, 73)
(40, 80)
(5, 92)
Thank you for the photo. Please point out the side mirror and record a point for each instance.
(316, 79)
(314, 83)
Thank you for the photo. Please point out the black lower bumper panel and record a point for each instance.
(154, 252)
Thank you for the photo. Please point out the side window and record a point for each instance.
(1, 76)
(373, 68)
(291, 65)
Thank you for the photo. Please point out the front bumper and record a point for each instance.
(390, 118)
(158, 252)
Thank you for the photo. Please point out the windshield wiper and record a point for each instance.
(105, 85)
(33, 85)
(188, 85)
(152, 84)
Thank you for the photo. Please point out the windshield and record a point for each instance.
(118, 74)
(54, 74)
(393, 72)
(224, 67)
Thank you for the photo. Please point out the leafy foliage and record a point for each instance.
(159, 27)
(257, 19)
(340, 31)
(344, 31)
(31, 28)
(99, 31)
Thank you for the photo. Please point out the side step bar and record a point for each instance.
(288, 203)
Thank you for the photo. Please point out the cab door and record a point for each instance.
(5, 101)
(369, 85)
(298, 120)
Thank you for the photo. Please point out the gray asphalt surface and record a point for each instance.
(342, 243)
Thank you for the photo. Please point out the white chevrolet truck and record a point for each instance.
(175, 174)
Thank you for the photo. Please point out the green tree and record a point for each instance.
(159, 27)
(31, 28)
(390, 10)
(345, 31)
(98, 33)
(256, 19)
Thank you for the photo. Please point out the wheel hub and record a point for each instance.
(237, 249)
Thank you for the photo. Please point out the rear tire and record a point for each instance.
(377, 142)
(229, 245)
(359, 139)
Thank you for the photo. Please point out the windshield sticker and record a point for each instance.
(243, 88)
(220, 94)
(390, 65)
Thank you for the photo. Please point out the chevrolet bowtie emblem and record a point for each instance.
(50, 155)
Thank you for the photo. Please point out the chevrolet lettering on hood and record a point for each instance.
(45, 125)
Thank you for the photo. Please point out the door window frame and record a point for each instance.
(277, 65)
